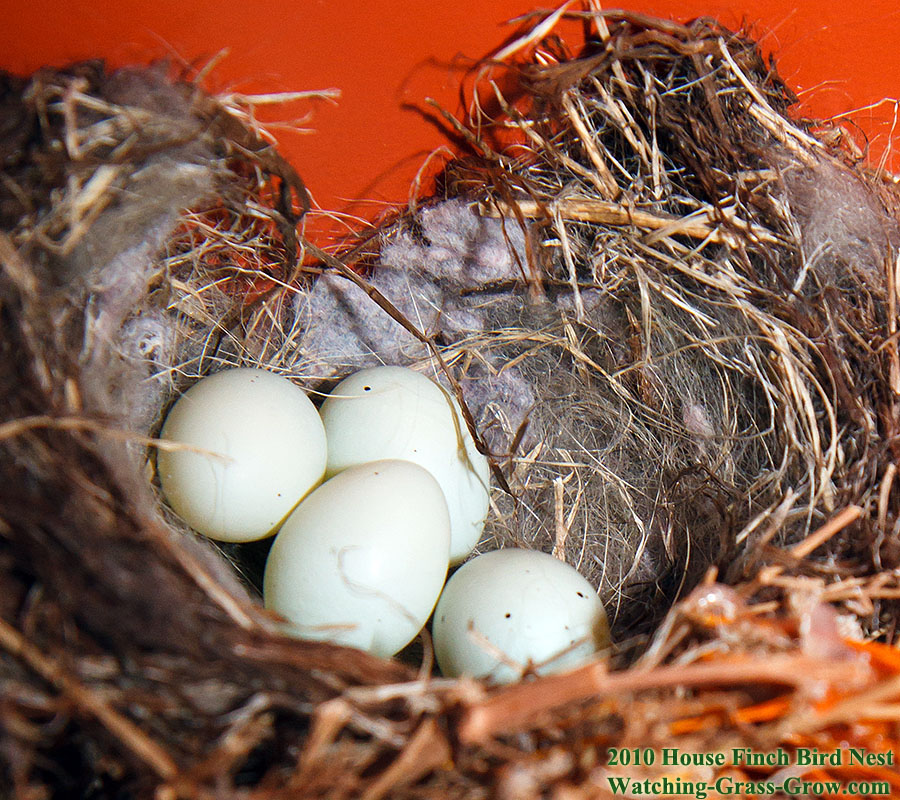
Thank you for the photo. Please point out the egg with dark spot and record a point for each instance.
(513, 609)
(394, 412)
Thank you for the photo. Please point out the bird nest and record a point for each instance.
(669, 311)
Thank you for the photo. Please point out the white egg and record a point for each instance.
(511, 608)
(362, 560)
(265, 449)
(393, 412)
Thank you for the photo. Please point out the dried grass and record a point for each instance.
(731, 305)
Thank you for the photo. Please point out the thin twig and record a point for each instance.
(90, 703)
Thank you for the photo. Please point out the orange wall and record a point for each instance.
(383, 54)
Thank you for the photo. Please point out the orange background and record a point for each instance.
(387, 55)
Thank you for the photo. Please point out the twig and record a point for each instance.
(515, 707)
(604, 212)
(427, 749)
(90, 703)
(833, 526)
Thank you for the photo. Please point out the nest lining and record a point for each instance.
(678, 270)
(648, 374)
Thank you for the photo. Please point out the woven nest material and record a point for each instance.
(670, 312)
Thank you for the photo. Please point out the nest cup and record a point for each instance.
(669, 312)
